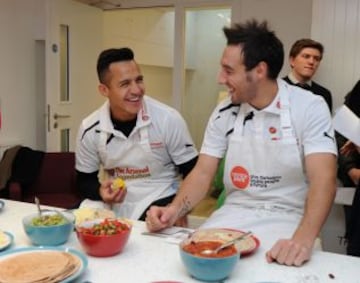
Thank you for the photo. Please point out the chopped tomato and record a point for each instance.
(106, 227)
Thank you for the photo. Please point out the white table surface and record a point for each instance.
(148, 259)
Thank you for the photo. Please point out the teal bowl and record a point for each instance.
(208, 269)
(48, 235)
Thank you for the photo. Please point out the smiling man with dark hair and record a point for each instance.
(132, 137)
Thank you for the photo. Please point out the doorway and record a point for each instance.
(73, 43)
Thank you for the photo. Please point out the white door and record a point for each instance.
(73, 42)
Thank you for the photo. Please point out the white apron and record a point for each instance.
(264, 181)
(146, 178)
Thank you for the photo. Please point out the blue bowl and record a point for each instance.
(208, 269)
(48, 235)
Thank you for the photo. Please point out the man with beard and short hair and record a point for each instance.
(279, 149)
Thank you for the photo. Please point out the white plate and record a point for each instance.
(2, 204)
(78, 254)
(8, 241)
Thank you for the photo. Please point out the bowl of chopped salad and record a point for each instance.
(50, 229)
(103, 237)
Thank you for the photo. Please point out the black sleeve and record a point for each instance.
(329, 102)
(346, 162)
(352, 99)
(88, 185)
(186, 167)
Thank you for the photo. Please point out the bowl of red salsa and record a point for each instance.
(208, 267)
(103, 237)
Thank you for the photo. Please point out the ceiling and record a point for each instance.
(103, 4)
(123, 4)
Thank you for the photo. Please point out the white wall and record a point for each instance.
(149, 32)
(333, 22)
(158, 82)
(336, 23)
(290, 19)
(20, 23)
(29, 25)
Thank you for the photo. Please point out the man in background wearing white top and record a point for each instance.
(280, 168)
(133, 137)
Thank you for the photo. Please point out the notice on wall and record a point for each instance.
(347, 124)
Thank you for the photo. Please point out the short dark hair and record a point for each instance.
(259, 44)
(109, 56)
(305, 43)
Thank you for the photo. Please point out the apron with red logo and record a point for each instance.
(146, 178)
(264, 180)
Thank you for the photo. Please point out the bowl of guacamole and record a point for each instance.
(51, 229)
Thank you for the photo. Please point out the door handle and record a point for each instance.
(59, 116)
(48, 118)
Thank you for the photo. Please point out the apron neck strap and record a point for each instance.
(285, 118)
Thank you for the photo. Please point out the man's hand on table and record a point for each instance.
(110, 195)
(158, 218)
(289, 252)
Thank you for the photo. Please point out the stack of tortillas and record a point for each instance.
(38, 266)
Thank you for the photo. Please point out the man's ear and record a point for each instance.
(291, 61)
(103, 89)
(262, 69)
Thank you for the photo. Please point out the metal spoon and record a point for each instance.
(37, 201)
(226, 244)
